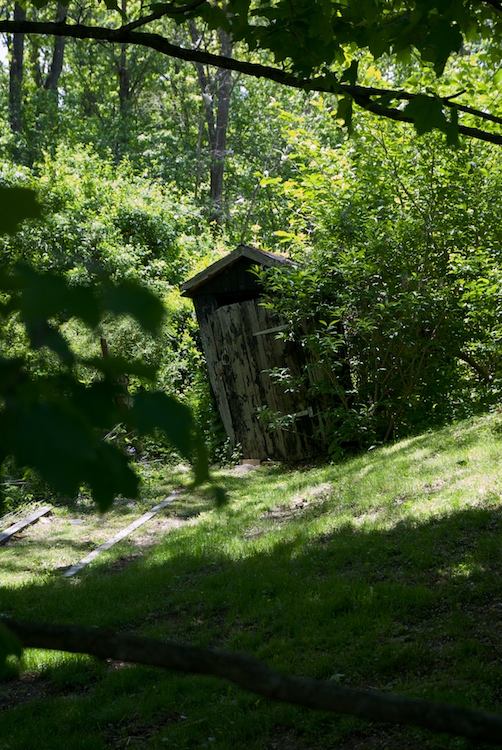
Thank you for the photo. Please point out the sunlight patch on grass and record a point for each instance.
(466, 568)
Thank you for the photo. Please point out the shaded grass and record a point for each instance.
(382, 572)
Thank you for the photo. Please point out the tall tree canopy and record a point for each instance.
(422, 52)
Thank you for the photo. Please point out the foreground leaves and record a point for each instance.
(53, 422)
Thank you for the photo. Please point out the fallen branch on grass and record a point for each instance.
(253, 675)
(23, 523)
(121, 535)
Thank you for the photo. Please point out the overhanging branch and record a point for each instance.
(391, 113)
(362, 96)
(367, 92)
(167, 10)
(257, 677)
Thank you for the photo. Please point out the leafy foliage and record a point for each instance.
(314, 46)
(51, 420)
(106, 221)
(54, 422)
(399, 252)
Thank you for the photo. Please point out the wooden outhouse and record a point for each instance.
(241, 346)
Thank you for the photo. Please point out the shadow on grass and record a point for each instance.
(414, 609)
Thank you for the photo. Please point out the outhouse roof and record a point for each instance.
(260, 257)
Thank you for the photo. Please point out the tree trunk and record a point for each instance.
(124, 86)
(217, 88)
(52, 80)
(223, 92)
(16, 73)
(124, 94)
(124, 78)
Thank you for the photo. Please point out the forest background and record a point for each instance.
(148, 168)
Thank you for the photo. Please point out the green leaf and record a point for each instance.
(427, 114)
(16, 205)
(41, 333)
(54, 439)
(98, 401)
(130, 298)
(9, 646)
(215, 17)
(112, 5)
(108, 474)
(11, 373)
(344, 111)
(156, 410)
(443, 39)
(116, 367)
(49, 295)
(241, 7)
(350, 74)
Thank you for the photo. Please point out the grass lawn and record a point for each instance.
(381, 572)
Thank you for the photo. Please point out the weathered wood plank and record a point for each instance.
(241, 378)
(239, 366)
(121, 535)
(11, 530)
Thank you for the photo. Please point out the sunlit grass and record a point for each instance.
(383, 571)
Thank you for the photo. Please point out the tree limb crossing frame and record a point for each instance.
(361, 95)
(255, 676)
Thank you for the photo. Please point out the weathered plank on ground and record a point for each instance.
(121, 535)
(9, 532)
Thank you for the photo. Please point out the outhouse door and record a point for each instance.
(241, 350)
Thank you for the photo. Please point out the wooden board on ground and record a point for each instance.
(121, 535)
(8, 533)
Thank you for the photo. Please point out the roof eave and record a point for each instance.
(261, 257)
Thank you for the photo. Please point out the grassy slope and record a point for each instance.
(384, 571)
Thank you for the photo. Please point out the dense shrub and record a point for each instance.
(397, 290)
(104, 220)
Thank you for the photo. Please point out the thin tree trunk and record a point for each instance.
(224, 90)
(206, 87)
(124, 88)
(124, 82)
(52, 80)
(215, 90)
(16, 73)
(124, 94)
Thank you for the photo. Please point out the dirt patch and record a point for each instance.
(300, 504)
(132, 733)
(154, 529)
(432, 487)
(120, 563)
(23, 689)
(287, 739)
(377, 738)
(243, 469)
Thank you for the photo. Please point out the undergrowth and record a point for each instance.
(382, 572)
